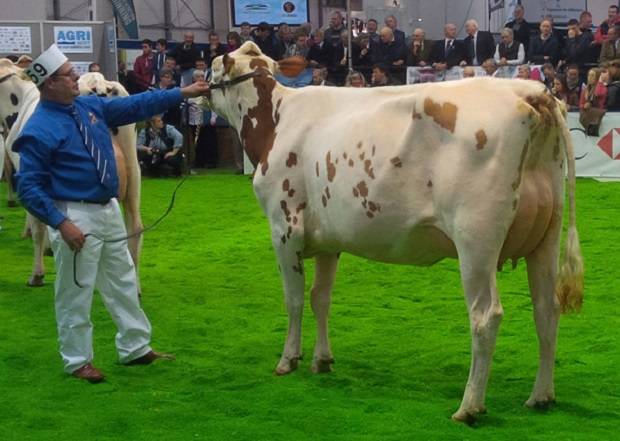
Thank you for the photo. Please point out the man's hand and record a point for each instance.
(72, 235)
(199, 88)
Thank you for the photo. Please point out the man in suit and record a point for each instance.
(392, 23)
(419, 50)
(520, 27)
(480, 44)
(610, 49)
(448, 52)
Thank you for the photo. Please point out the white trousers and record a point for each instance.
(105, 266)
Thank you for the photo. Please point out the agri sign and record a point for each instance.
(74, 39)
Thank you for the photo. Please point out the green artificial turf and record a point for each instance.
(400, 337)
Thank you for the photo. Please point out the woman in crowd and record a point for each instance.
(594, 94)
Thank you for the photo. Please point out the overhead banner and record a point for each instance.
(76, 39)
(293, 12)
(561, 11)
(126, 14)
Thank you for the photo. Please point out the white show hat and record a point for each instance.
(46, 64)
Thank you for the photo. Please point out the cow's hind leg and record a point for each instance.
(290, 259)
(40, 242)
(477, 264)
(542, 270)
(324, 276)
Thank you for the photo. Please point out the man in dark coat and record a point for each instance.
(448, 52)
(480, 44)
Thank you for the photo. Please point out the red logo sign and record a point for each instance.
(610, 144)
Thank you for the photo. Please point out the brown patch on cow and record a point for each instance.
(286, 185)
(444, 115)
(556, 146)
(374, 147)
(359, 145)
(363, 189)
(327, 193)
(516, 183)
(362, 156)
(429, 184)
(287, 212)
(415, 114)
(365, 203)
(396, 162)
(324, 199)
(239, 107)
(368, 169)
(283, 239)
(351, 163)
(289, 232)
(356, 192)
(370, 214)
(252, 53)
(228, 62)
(336, 161)
(544, 104)
(294, 220)
(300, 207)
(481, 139)
(258, 140)
(372, 206)
(292, 160)
(299, 268)
(291, 192)
(514, 204)
(317, 169)
(344, 155)
(331, 168)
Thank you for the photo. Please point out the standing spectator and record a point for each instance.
(193, 113)
(320, 54)
(448, 52)
(340, 61)
(389, 51)
(233, 41)
(520, 27)
(419, 49)
(601, 33)
(186, 55)
(171, 64)
(245, 32)
(171, 116)
(480, 44)
(160, 56)
(336, 26)
(216, 48)
(283, 40)
(300, 48)
(610, 49)
(392, 23)
(372, 27)
(364, 59)
(544, 47)
(94, 67)
(159, 148)
(263, 37)
(577, 46)
(594, 94)
(585, 22)
(509, 52)
(143, 66)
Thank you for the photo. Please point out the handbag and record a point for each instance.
(590, 119)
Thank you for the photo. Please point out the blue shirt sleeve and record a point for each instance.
(126, 110)
(35, 157)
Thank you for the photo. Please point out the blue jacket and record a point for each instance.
(54, 162)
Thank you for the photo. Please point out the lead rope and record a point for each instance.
(130, 236)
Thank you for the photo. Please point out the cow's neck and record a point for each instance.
(24, 96)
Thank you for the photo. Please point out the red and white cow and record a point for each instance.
(18, 98)
(471, 169)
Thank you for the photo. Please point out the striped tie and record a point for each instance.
(95, 153)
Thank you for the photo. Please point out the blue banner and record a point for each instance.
(126, 14)
(293, 12)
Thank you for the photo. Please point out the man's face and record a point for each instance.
(171, 63)
(65, 82)
(506, 38)
(201, 65)
(245, 30)
(377, 76)
(317, 76)
(157, 122)
(188, 38)
(146, 48)
(335, 20)
(545, 27)
(386, 35)
(301, 40)
(575, 29)
(161, 47)
(518, 14)
(214, 40)
(450, 31)
(572, 76)
(488, 67)
(585, 22)
(418, 35)
(391, 23)
(165, 81)
(371, 26)
(611, 13)
(470, 28)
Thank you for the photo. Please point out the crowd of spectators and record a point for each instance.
(579, 64)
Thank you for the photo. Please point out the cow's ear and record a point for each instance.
(228, 63)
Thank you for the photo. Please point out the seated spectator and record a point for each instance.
(389, 51)
(613, 87)
(524, 72)
(610, 49)
(319, 77)
(171, 64)
(94, 67)
(469, 72)
(490, 67)
(233, 41)
(520, 27)
(612, 17)
(544, 47)
(159, 148)
(549, 75)
(419, 50)
(300, 48)
(573, 87)
(560, 89)
(399, 36)
(320, 54)
(480, 45)
(336, 26)
(355, 79)
(215, 48)
(577, 48)
(448, 52)
(594, 94)
(381, 76)
(509, 52)
(245, 32)
(201, 64)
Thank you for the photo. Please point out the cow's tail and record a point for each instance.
(569, 287)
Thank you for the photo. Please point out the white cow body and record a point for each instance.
(470, 169)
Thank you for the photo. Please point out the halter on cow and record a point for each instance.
(412, 175)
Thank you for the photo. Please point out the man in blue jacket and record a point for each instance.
(68, 180)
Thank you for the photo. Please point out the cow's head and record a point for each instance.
(15, 88)
(94, 83)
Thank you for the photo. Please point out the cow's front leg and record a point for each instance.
(289, 250)
(40, 241)
(324, 276)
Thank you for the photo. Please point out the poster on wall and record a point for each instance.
(293, 12)
(15, 40)
(76, 39)
(560, 10)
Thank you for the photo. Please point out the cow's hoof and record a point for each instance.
(540, 404)
(48, 252)
(12, 204)
(27, 233)
(322, 366)
(468, 417)
(36, 280)
(287, 365)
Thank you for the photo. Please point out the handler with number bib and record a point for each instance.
(68, 179)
